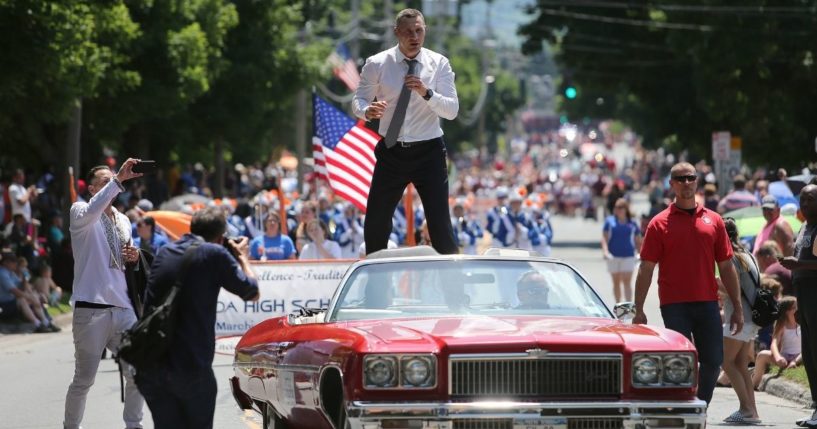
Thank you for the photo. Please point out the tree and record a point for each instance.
(55, 52)
(678, 72)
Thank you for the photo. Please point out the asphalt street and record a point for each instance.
(35, 369)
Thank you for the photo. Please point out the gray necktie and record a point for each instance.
(400, 111)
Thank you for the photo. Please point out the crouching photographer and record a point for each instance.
(181, 389)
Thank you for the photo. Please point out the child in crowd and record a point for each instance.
(45, 286)
(785, 350)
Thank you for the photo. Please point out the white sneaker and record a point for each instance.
(810, 422)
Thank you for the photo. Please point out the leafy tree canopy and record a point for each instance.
(677, 71)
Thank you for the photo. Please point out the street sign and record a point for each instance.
(735, 158)
(720, 145)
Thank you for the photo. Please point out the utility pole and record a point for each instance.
(354, 44)
(487, 46)
(218, 152)
(72, 153)
(388, 13)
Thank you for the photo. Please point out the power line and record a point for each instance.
(795, 11)
(704, 28)
(570, 34)
(626, 21)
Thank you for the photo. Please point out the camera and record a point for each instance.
(233, 250)
(145, 167)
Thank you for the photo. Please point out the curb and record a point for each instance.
(775, 385)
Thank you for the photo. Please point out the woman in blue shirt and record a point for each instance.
(272, 245)
(621, 240)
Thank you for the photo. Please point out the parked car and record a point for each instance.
(412, 339)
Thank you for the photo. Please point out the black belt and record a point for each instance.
(412, 144)
(85, 304)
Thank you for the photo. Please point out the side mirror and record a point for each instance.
(624, 309)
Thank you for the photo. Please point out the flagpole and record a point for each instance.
(282, 210)
(409, 206)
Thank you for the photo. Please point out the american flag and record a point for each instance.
(344, 67)
(343, 152)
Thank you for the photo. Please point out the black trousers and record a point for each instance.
(424, 165)
(807, 317)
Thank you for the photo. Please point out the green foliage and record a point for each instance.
(797, 375)
(684, 72)
(171, 80)
(504, 94)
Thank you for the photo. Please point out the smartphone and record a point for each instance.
(145, 167)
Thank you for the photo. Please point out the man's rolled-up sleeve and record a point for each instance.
(367, 89)
(445, 102)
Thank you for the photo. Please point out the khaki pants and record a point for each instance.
(94, 330)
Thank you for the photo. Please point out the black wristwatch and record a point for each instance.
(429, 94)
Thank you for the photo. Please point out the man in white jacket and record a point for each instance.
(102, 245)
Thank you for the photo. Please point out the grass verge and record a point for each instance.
(797, 375)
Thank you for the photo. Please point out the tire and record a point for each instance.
(270, 419)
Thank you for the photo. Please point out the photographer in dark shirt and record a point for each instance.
(181, 392)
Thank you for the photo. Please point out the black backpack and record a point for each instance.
(765, 309)
(146, 344)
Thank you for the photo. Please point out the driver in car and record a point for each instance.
(532, 290)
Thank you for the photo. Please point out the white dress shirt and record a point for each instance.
(94, 279)
(383, 76)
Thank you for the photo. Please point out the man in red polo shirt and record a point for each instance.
(686, 240)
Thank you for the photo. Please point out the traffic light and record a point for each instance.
(570, 92)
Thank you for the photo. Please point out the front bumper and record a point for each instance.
(533, 415)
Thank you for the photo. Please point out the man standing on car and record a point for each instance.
(102, 246)
(181, 391)
(414, 87)
(686, 240)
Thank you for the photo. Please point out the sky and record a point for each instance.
(506, 16)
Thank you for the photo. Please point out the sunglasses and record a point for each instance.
(685, 179)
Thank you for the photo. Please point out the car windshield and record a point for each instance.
(463, 287)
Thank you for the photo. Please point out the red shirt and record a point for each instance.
(686, 247)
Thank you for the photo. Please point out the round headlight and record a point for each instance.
(416, 371)
(677, 370)
(380, 372)
(645, 371)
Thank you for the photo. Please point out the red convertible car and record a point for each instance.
(412, 339)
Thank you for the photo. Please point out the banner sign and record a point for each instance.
(285, 288)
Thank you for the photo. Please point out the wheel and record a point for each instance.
(271, 420)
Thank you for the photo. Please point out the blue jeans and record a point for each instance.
(179, 400)
(700, 322)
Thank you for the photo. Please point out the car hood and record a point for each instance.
(507, 334)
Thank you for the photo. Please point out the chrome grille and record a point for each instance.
(551, 375)
(572, 423)
(483, 424)
(594, 423)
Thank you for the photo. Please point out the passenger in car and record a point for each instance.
(532, 290)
